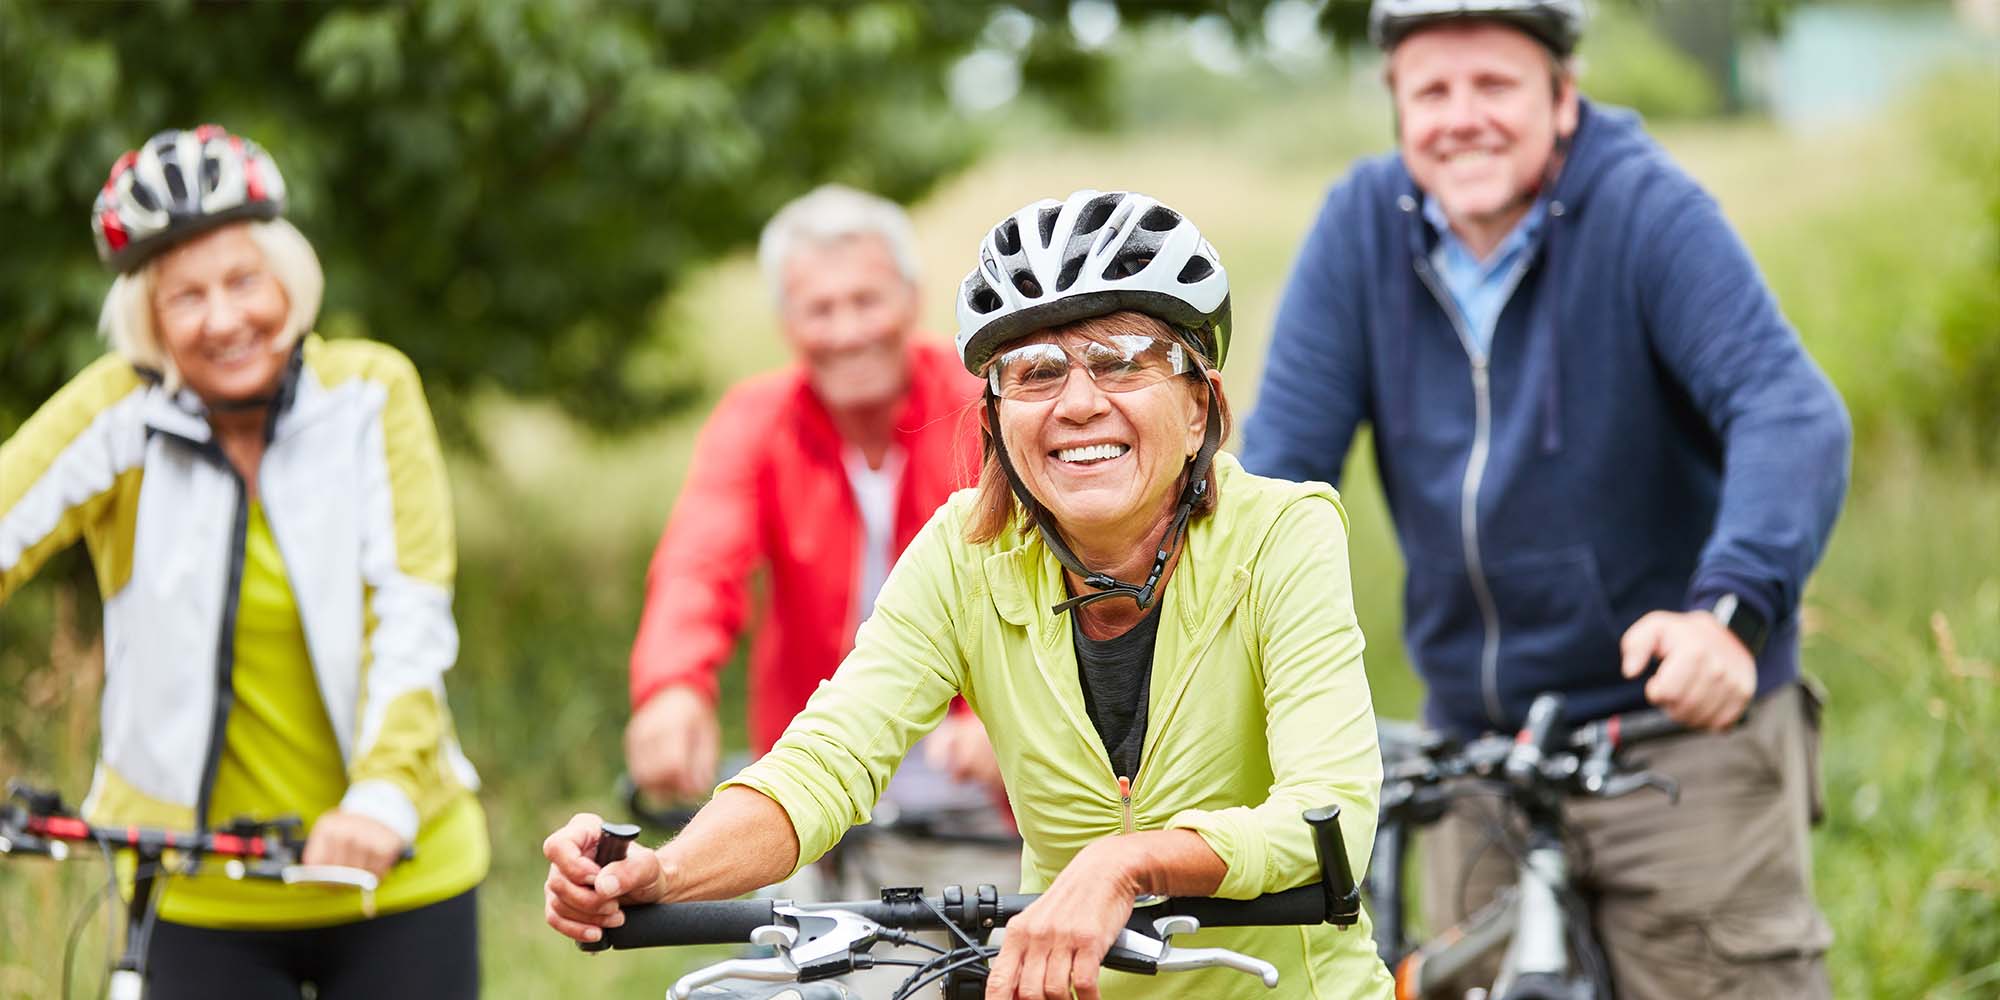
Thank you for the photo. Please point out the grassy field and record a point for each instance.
(1857, 229)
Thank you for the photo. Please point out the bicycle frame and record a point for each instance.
(1529, 919)
(1549, 954)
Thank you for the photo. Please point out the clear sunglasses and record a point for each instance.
(1119, 363)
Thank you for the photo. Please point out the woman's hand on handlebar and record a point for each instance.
(351, 840)
(1058, 942)
(580, 898)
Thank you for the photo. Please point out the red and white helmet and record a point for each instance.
(179, 184)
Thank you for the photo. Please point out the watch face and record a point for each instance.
(1747, 625)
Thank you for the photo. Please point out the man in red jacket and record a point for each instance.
(818, 474)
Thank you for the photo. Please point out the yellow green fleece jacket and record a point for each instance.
(1259, 709)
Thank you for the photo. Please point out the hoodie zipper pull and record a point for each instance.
(1125, 803)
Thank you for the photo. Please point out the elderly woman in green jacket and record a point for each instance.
(1160, 736)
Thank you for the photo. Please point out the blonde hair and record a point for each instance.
(126, 321)
(996, 506)
(826, 215)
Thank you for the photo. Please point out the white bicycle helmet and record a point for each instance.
(180, 183)
(1056, 262)
(1558, 23)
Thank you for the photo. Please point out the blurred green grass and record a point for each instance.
(1861, 232)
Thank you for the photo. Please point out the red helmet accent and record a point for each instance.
(114, 234)
(179, 184)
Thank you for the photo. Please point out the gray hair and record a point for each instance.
(126, 322)
(828, 214)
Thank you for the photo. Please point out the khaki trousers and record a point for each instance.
(1710, 898)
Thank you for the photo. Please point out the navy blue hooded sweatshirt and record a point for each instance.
(1646, 431)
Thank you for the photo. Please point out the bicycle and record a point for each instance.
(1551, 951)
(35, 822)
(818, 941)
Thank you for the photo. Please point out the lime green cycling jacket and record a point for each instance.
(1259, 710)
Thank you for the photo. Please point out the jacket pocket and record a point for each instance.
(1557, 632)
(1812, 701)
(1771, 951)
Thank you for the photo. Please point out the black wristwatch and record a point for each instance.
(1743, 621)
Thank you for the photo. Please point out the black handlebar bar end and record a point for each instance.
(613, 840)
(1343, 897)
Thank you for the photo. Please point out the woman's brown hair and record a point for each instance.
(997, 507)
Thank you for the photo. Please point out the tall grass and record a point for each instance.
(1858, 232)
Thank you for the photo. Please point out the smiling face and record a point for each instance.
(1478, 118)
(1106, 464)
(219, 313)
(847, 311)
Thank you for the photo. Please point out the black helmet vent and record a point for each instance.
(1008, 237)
(1195, 270)
(1047, 223)
(1160, 219)
(1071, 268)
(176, 185)
(1126, 265)
(1025, 282)
(1095, 213)
(985, 300)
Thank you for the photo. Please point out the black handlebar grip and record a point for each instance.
(1304, 904)
(613, 840)
(1336, 873)
(653, 925)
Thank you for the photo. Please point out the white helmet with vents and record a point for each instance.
(1557, 23)
(1057, 262)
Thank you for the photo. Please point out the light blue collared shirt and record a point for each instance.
(1481, 288)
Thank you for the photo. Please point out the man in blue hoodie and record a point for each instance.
(1610, 463)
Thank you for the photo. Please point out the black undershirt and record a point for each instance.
(1117, 675)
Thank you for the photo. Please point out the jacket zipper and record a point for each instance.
(1468, 503)
(225, 652)
(1124, 804)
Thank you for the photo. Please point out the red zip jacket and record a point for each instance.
(767, 488)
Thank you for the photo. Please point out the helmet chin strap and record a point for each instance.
(240, 405)
(1107, 585)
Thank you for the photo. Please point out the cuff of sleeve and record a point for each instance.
(809, 850)
(1234, 836)
(644, 690)
(1707, 589)
(385, 802)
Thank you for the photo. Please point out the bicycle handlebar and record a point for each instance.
(1333, 899)
(35, 821)
(732, 921)
(1541, 753)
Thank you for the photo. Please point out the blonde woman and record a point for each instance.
(269, 521)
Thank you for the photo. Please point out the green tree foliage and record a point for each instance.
(501, 188)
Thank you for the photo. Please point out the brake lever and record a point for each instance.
(331, 875)
(1625, 784)
(1133, 951)
(776, 969)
